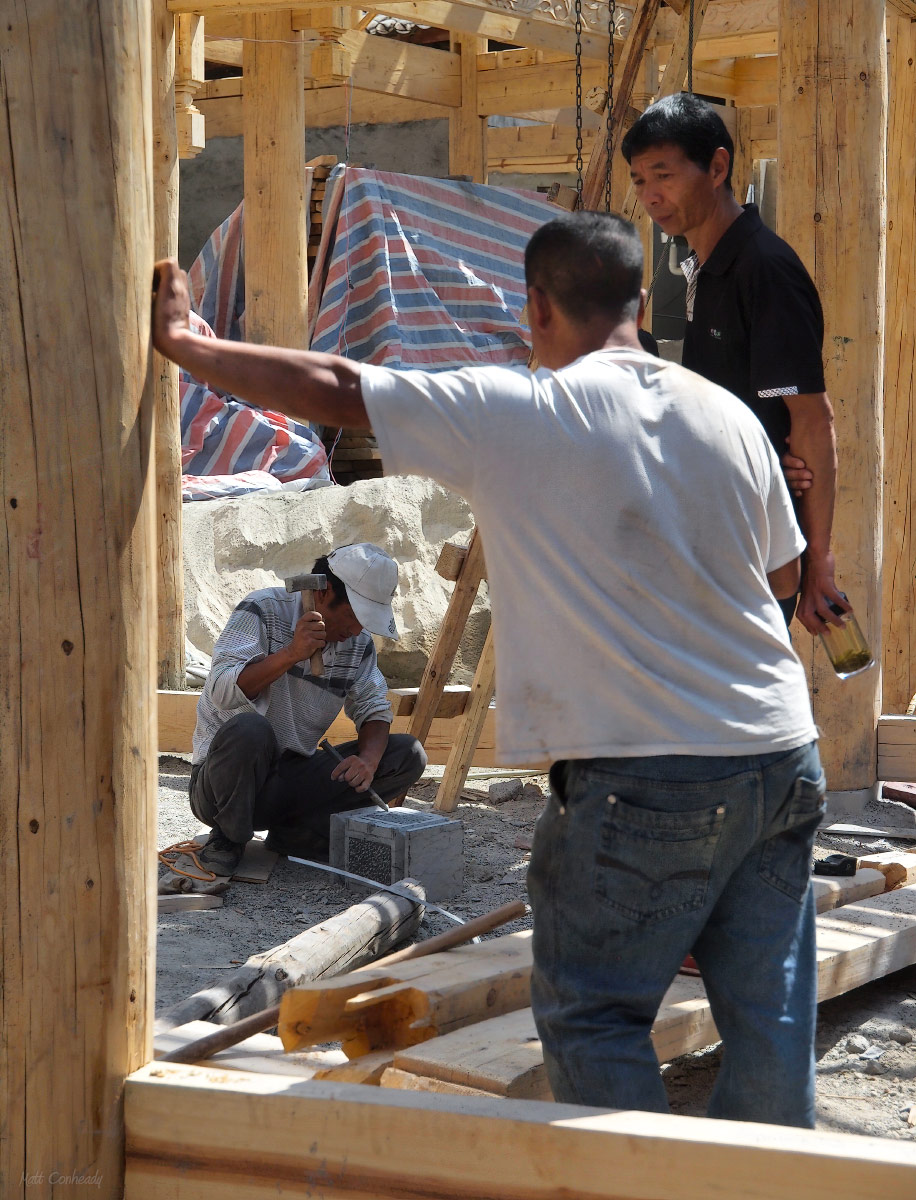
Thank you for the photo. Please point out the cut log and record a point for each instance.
(342, 943)
(411, 1001)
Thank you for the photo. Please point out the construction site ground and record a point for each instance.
(855, 1094)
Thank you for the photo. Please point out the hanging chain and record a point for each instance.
(690, 50)
(609, 165)
(578, 13)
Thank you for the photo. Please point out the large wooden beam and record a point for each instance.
(202, 1132)
(164, 377)
(78, 581)
(467, 130)
(899, 562)
(832, 209)
(276, 280)
(380, 64)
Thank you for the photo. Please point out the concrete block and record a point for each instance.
(397, 844)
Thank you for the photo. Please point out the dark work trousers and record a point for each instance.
(788, 607)
(246, 782)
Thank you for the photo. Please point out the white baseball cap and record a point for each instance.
(371, 577)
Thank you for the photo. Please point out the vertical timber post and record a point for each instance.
(77, 589)
(273, 124)
(899, 574)
(832, 209)
(165, 399)
(467, 132)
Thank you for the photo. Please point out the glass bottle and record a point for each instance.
(845, 644)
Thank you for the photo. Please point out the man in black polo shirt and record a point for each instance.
(754, 320)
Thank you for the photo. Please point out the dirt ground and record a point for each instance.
(872, 1095)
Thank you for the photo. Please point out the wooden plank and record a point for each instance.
(188, 902)
(894, 729)
(512, 90)
(898, 831)
(439, 664)
(725, 18)
(857, 943)
(273, 117)
(906, 8)
(380, 64)
(468, 733)
(830, 892)
(898, 606)
(898, 869)
(394, 1078)
(196, 1131)
(410, 1001)
(467, 130)
(163, 378)
(832, 209)
(178, 716)
(261, 1052)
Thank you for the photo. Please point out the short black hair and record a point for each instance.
(684, 121)
(340, 588)
(590, 263)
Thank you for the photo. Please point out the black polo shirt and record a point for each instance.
(757, 327)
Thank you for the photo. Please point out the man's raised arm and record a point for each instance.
(321, 388)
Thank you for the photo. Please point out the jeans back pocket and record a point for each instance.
(653, 865)
(785, 860)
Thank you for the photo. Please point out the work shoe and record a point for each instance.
(219, 854)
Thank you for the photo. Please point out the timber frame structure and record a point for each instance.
(91, 509)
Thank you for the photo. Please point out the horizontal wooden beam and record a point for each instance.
(906, 8)
(178, 716)
(220, 101)
(202, 1132)
(390, 67)
(724, 18)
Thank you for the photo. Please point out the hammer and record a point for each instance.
(308, 585)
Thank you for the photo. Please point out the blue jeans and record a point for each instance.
(637, 862)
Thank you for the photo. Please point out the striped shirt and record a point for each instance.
(299, 706)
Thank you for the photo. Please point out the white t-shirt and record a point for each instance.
(630, 512)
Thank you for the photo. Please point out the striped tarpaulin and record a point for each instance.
(220, 434)
(427, 273)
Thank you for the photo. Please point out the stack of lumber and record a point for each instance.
(458, 1022)
(318, 170)
(356, 455)
(462, 1025)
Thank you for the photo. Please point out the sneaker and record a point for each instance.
(219, 854)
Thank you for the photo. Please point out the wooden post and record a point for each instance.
(273, 108)
(899, 573)
(165, 400)
(77, 577)
(832, 208)
(467, 132)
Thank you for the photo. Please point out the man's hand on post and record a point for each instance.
(355, 771)
(818, 591)
(171, 303)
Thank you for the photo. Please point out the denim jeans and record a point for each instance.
(637, 862)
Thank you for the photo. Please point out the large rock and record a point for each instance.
(232, 547)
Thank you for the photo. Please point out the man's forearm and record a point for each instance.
(372, 741)
(812, 439)
(261, 674)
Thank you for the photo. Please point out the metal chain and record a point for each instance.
(609, 166)
(578, 27)
(690, 50)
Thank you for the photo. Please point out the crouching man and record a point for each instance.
(256, 762)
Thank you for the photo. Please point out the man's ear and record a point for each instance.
(540, 309)
(718, 167)
(641, 313)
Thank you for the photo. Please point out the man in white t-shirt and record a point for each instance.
(638, 531)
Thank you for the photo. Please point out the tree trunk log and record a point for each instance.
(354, 937)
(77, 581)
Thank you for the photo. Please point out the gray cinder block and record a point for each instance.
(400, 843)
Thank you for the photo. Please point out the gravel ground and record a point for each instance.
(855, 1094)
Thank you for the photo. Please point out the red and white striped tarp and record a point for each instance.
(426, 273)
